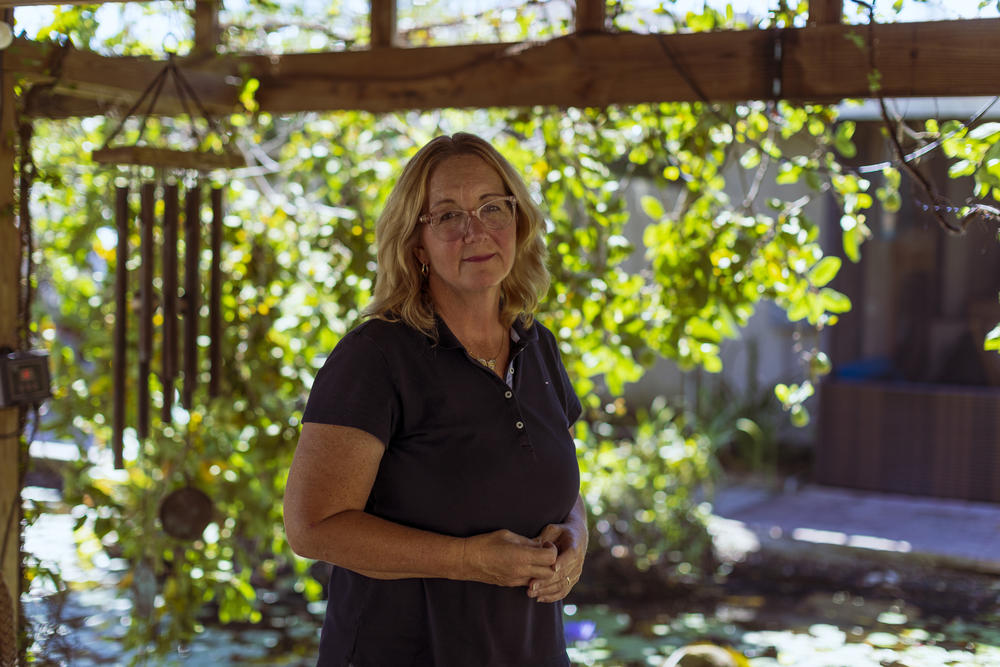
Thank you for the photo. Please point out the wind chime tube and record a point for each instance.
(147, 199)
(121, 322)
(192, 250)
(168, 264)
(215, 296)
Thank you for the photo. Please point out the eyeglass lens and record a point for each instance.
(452, 225)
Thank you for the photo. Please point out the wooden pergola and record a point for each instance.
(589, 67)
(824, 62)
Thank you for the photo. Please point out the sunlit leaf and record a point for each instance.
(652, 207)
(985, 132)
(834, 301)
(993, 339)
(824, 271)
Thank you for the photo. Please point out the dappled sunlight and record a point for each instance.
(810, 629)
(861, 541)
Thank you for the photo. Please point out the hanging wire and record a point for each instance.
(923, 150)
(156, 83)
(186, 94)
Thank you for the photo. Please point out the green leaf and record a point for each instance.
(652, 207)
(985, 132)
(788, 173)
(875, 81)
(961, 168)
(993, 339)
(892, 177)
(834, 301)
(638, 156)
(891, 201)
(750, 158)
(851, 246)
(824, 271)
(712, 364)
(799, 416)
(856, 39)
(799, 310)
(842, 139)
(819, 365)
(703, 330)
(247, 94)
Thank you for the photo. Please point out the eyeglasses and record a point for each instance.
(453, 225)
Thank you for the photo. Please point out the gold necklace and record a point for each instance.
(491, 363)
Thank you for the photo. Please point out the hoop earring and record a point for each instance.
(424, 270)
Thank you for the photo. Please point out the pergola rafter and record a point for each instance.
(821, 63)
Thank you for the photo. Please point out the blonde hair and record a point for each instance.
(400, 291)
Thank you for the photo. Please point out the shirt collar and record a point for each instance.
(521, 336)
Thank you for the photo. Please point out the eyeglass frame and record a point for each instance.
(434, 219)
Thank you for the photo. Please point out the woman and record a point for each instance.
(435, 468)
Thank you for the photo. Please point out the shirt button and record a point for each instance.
(507, 394)
(519, 425)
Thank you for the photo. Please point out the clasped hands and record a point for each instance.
(549, 565)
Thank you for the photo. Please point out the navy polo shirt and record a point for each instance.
(465, 453)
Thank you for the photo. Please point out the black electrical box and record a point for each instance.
(24, 378)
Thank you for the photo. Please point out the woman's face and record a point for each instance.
(476, 263)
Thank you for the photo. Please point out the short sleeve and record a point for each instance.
(570, 401)
(355, 388)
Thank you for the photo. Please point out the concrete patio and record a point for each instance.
(839, 523)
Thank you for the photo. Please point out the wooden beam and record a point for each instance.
(383, 23)
(825, 12)
(41, 102)
(206, 27)
(590, 16)
(167, 158)
(823, 63)
(944, 59)
(114, 82)
(10, 284)
(594, 69)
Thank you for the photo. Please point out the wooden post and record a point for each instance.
(383, 23)
(590, 16)
(10, 444)
(825, 12)
(206, 27)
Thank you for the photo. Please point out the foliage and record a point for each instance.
(298, 267)
(642, 482)
(297, 258)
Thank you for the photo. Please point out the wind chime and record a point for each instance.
(182, 181)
